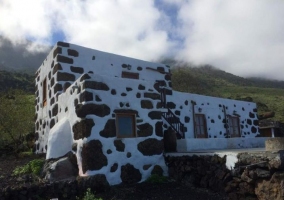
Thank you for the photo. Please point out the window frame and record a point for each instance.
(198, 126)
(44, 92)
(133, 124)
(234, 126)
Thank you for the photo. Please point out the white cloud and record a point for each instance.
(243, 37)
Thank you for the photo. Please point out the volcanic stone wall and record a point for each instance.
(91, 110)
(85, 90)
(255, 175)
(216, 110)
(66, 63)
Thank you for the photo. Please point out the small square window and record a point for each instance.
(125, 125)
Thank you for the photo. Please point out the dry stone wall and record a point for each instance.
(256, 175)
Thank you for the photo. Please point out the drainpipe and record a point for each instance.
(193, 103)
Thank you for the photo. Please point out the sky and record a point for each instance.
(245, 38)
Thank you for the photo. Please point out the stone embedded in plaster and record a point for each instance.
(126, 111)
(109, 129)
(162, 69)
(52, 64)
(95, 85)
(63, 44)
(90, 72)
(253, 129)
(129, 174)
(52, 123)
(76, 102)
(155, 114)
(154, 96)
(109, 151)
(251, 115)
(119, 145)
(128, 155)
(49, 94)
(146, 104)
(52, 82)
(63, 76)
(85, 77)
(72, 52)
(146, 167)
(113, 92)
(159, 129)
(159, 84)
(157, 170)
(100, 110)
(170, 84)
(186, 119)
(128, 89)
(123, 94)
(49, 75)
(167, 77)
(171, 105)
(138, 95)
(186, 102)
(55, 110)
(57, 88)
(177, 112)
(212, 121)
(249, 122)
(144, 130)
(64, 59)
(139, 68)
(141, 87)
(56, 51)
(83, 129)
(78, 70)
(255, 122)
(114, 167)
(86, 96)
(92, 156)
(151, 146)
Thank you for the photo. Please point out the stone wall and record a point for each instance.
(256, 175)
(61, 190)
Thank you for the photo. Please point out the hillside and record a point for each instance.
(207, 80)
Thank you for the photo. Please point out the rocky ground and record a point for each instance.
(168, 190)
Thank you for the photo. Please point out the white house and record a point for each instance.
(115, 113)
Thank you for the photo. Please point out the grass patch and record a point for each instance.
(32, 167)
(89, 195)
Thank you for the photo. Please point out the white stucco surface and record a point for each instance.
(59, 139)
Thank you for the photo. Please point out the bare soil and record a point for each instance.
(158, 191)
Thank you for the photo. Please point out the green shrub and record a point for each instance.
(155, 178)
(33, 167)
(89, 196)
